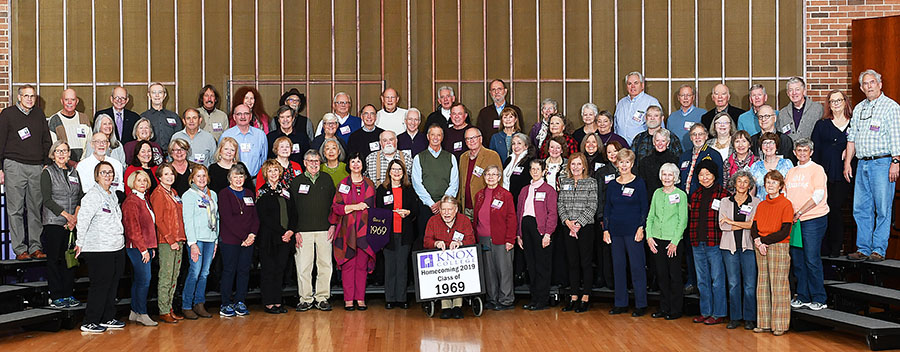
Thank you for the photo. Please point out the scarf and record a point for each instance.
(212, 211)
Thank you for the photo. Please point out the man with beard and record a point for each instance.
(643, 142)
(489, 116)
(377, 162)
(213, 120)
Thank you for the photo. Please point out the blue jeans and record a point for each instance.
(740, 268)
(872, 190)
(235, 272)
(195, 283)
(807, 261)
(710, 281)
(140, 283)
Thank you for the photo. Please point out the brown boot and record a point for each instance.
(201, 311)
(168, 318)
(189, 314)
(176, 315)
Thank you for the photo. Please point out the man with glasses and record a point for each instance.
(122, 117)
(631, 109)
(391, 116)
(251, 140)
(721, 96)
(785, 147)
(680, 121)
(347, 123)
(874, 138)
(86, 167)
(312, 193)
(24, 149)
(799, 117)
(365, 140)
(472, 164)
(377, 162)
(165, 122)
(489, 116)
(297, 102)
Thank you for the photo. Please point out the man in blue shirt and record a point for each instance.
(630, 111)
(438, 178)
(748, 120)
(251, 140)
(681, 120)
(347, 123)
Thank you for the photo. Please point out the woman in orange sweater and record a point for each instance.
(771, 234)
(170, 235)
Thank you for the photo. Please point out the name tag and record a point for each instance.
(608, 178)
(674, 198)
(217, 126)
(496, 204)
(201, 204)
(685, 164)
(457, 146)
(688, 125)
(567, 187)
(745, 209)
(24, 133)
(295, 148)
(297, 172)
(715, 204)
(458, 236)
(389, 199)
(638, 116)
(248, 201)
(245, 147)
(106, 210)
(73, 180)
(496, 123)
(344, 188)
(518, 170)
(627, 191)
(286, 194)
(873, 127)
(540, 196)
(786, 129)
(477, 171)
(374, 146)
(303, 189)
(199, 158)
(114, 184)
(345, 130)
(597, 166)
(81, 133)
(171, 121)
(177, 199)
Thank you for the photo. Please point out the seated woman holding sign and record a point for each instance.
(449, 230)
(397, 195)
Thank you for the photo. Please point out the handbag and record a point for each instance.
(71, 261)
(796, 239)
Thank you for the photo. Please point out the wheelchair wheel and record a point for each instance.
(477, 306)
(429, 308)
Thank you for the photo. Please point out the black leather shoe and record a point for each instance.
(582, 307)
(570, 306)
(389, 305)
(639, 312)
(403, 305)
(349, 308)
(282, 309)
(659, 314)
(618, 310)
(361, 308)
(673, 316)
(457, 313)
(447, 313)
(749, 324)
(500, 307)
(273, 310)
(733, 324)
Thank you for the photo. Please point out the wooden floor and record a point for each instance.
(408, 330)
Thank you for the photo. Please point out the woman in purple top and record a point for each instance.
(605, 129)
(239, 225)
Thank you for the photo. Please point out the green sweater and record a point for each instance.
(667, 218)
(337, 174)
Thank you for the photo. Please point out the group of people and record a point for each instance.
(737, 198)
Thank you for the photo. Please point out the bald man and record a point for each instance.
(721, 96)
(391, 116)
(70, 125)
(122, 117)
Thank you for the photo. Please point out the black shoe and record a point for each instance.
(659, 314)
(349, 308)
(361, 308)
(618, 310)
(689, 289)
(749, 324)
(447, 313)
(323, 306)
(673, 316)
(282, 309)
(733, 324)
(583, 306)
(457, 313)
(304, 306)
(639, 312)
(403, 305)
(500, 307)
(272, 310)
(570, 306)
(490, 306)
(389, 305)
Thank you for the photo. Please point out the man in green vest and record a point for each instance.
(434, 175)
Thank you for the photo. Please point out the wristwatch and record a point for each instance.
(895, 161)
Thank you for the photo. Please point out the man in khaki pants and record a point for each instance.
(312, 192)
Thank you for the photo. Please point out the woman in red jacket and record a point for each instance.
(495, 224)
(449, 230)
(537, 221)
(140, 243)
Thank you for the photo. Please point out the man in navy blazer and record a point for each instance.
(122, 117)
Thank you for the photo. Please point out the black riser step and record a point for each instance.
(879, 334)
(32, 319)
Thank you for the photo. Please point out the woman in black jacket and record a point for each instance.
(275, 242)
(604, 174)
(397, 194)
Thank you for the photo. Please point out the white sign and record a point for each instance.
(448, 273)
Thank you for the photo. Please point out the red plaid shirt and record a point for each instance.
(713, 233)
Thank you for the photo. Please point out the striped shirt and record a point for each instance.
(577, 201)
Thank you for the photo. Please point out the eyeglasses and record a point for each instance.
(177, 150)
(766, 116)
(292, 100)
(316, 161)
(473, 138)
(120, 98)
(106, 173)
(342, 103)
(100, 142)
(61, 151)
(836, 101)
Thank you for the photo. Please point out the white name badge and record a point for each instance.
(608, 178)
(24, 133)
(295, 148)
(786, 129)
(477, 171)
(248, 201)
(518, 170)
(638, 116)
(567, 187)
(303, 189)
(745, 209)
(496, 204)
(286, 194)
(458, 236)
(245, 147)
(457, 146)
(684, 164)
(540, 196)
(199, 158)
(688, 125)
(217, 126)
(171, 121)
(297, 172)
(389, 199)
(715, 204)
(81, 133)
(201, 204)
(114, 184)
(177, 199)
(496, 124)
(627, 191)
(344, 188)
(597, 166)
(674, 198)
(374, 146)
(345, 130)
(874, 127)
(73, 180)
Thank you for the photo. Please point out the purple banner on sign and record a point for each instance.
(380, 228)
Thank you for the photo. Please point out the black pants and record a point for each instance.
(579, 254)
(668, 271)
(396, 266)
(538, 260)
(60, 279)
(838, 193)
(104, 270)
(559, 270)
(273, 262)
(604, 258)
(235, 272)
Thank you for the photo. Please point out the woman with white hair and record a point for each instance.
(541, 129)
(666, 222)
(589, 114)
(330, 124)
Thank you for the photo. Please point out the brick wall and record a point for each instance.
(828, 40)
(4, 53)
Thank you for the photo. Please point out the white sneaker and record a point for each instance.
(795, 303)
(816, 306)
